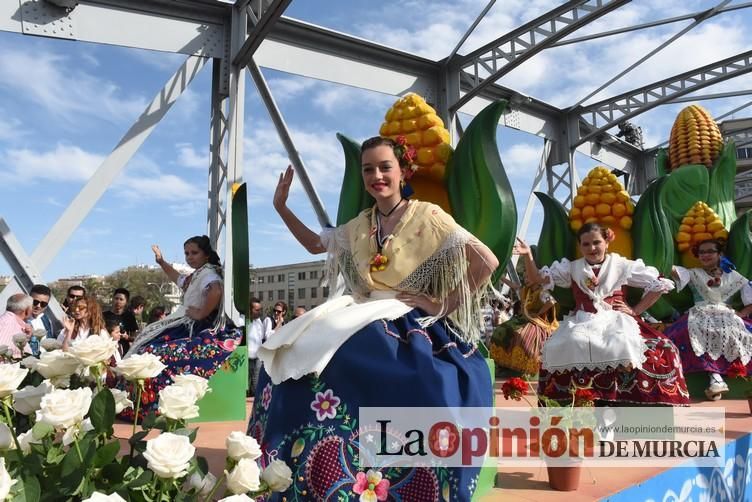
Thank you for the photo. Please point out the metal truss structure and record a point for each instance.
(243, 35)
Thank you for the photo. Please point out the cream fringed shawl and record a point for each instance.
(426, 254)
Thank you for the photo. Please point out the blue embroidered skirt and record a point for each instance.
(201, 355)
(312, 423)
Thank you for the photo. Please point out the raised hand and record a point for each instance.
(157, 253)
(283, 188)
(521, 248)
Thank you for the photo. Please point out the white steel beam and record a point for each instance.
(75, 213)
(262, 14)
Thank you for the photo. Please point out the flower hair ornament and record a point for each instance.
(406, 155)
(610, 235)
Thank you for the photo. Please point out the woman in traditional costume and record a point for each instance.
(604, 345)
(517, 343)
(405, 336)
(194, 338)
(712, 337)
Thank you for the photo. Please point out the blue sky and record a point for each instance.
(64, 105)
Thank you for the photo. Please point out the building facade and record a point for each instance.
(297, 284)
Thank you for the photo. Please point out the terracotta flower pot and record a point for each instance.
(564, 478)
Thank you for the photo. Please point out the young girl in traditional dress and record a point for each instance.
(711, 336)
(603, 345)
(405, 336)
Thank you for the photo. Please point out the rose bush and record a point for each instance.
(58, 443)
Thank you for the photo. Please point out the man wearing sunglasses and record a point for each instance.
(74, 293)
(40, 295)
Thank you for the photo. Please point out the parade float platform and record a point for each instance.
(602, 483)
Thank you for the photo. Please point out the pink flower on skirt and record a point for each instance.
(370, 486)
(325, 405)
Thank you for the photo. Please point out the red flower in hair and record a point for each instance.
(400, 140)
(514, 388)
(409, 174)
(610, 235)
(410, 154)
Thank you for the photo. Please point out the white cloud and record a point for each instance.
(189, 157)
(164, 187)
(521, 160)
(285, 88)
(63, 163)
(52, 80)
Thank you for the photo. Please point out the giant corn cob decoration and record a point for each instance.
(695, 138)
(699, 224)
(413, 118)
(601, 198)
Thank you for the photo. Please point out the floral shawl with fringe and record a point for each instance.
(426, 254)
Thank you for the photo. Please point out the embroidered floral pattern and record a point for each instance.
(266, 396)
(325, 405)
(371, 486)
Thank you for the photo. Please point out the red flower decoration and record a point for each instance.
(409, 174)
(737, 370)
(410, 153)
(610, 235)
(514, 388)
(400, 140)
(714, 282)
(584, 397)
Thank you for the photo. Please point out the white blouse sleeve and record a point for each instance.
(210, 278)
(181, 280)
(647, 278)
(681, 277)
(326, 235)
(747, 294)
(558, 274)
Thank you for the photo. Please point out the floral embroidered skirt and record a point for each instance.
(201, 355)
(517, 344)
(659, 381)
(312, 423)
(678, 332)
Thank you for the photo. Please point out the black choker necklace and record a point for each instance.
(391, 210)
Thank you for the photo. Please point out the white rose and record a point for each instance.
(199, 385)
(178, 402)
(6, 483)
(11, 376)
(169, 455)
(39, 334)
(101, 497)
(20, 340)
(56, 363)
(278, 476)
(63, 408)
(94, 349)
(202, 485)
(6, 438)
(50, 344)
(140, 367)
(241, 446)
(25, 440)
(76, 431)
(237, 498)
(26, 401)
(244, 477)
(29, 362)
(121, 400)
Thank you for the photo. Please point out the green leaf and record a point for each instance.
(685, 186)
(479, 192)
(55, 455)
(661, 163)
(353, 197)
(114, 473)
(190, 433)
(106, 454)
(137, 437)
(102, 412)
(556, 241)
(739, 245)
(143, 479)
(31, 489)
(41, 430)
(203, 465)
(240, 260)
(71, 462)
(721, 193)
(652, 238)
